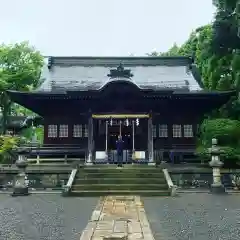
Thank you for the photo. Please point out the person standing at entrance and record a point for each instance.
(171, 156)
(119, 146)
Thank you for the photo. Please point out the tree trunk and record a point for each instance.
(6, 108)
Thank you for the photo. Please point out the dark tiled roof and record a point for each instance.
(90, 73)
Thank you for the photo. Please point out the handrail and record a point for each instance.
(68, 186)
(171, 186)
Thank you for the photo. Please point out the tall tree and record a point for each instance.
(216, 50)
(226, 26)
(20, 69)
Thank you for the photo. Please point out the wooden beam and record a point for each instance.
(105, 116)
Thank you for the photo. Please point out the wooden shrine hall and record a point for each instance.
(155, 103)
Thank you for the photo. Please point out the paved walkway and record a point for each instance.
(118, 217)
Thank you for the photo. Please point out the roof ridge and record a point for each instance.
(115, 61)
(122, 57)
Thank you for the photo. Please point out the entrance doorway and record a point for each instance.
(126, 133)
(107, 130)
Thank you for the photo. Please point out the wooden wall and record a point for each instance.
(169, 142)
(70, 122)
(171, 119)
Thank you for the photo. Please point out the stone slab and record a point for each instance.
(116, 236)
(118, 218)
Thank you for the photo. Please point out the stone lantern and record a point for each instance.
(20, 187)
(216, 164)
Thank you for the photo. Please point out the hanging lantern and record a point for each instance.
(127, 122)
(111, 122)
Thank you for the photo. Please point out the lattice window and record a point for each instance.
(63, 131)
(52, 131)
(188, 130)
(77, 130)
(85, 130)
(154, 131)
(163, 131)
(177, 131)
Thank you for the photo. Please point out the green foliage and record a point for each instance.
(216, 51)
(17, 110)
(40, 134)
(8, 145)
(20, 69)
(227, 153)
(20, 66)
(226, 26)
(227, 132)
(36, 133)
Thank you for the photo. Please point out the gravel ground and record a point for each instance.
(195, 216)
(44, 217)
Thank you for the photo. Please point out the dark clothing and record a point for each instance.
(119, 146)
(119, 159)
(171, 155)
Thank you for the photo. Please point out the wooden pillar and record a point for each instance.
(90, 140)
(150, 141)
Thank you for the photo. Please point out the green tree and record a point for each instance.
(219, 65)
(20, 69)
(226, 26)
(227, 132)
(32, 132)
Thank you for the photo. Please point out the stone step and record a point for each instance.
(124, 169)
(120, 175)
(50, 165)
(94, 193)
(113, 186)
(119, 180)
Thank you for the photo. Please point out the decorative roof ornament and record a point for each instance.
(120, 72)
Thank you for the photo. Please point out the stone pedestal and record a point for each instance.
(216, 164)
(217, 186)
(218, 189)
(89, 161)
(20, 187)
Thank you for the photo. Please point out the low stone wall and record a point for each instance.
(36, 180)
(202, 178)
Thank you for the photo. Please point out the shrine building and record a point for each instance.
(155, 103)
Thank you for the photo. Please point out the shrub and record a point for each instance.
(8, 145)
(227, 132)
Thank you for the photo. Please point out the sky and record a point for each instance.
(102, 27)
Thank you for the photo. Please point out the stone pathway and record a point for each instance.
(118, 217)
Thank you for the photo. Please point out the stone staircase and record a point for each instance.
(130, 180)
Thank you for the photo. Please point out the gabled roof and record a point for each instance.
(91, 73)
